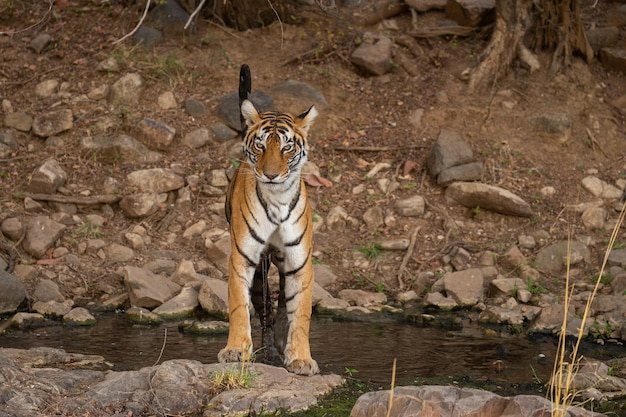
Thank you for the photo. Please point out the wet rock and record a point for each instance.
(12, 292)
(79, 316)
(488, 197)
(407, 296)
(182, 305)
(362, 298)
(40, 43)
(18, 120)
(204, 327)
(613, 59)
(465, 287)
(449, 150)
(557, 125)
(147, 36)
(552, 258)
(301, 91)
(140, 204)
(119, 149)
(47, 178)
(194, 107)
(142, 316)
(155, 134)
(53, 122)
(411, 207)
(147, 289)
(48, 290)
(472, 13)
(53, 308)
(374, 54)
(197, 138)
(25, 321)
(228, 109)
(41, 235)
(213, 297)
(155, 180)
(448, 401)
(12, 228)
(126, 90)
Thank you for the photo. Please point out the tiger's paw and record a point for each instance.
(232, 355)
(306, 367)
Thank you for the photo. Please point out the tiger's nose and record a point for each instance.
(270, 175)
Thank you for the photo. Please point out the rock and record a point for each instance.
(465, 287)
(119, 149)
(436, 299)
(155, 134)
(213, 297)
(423, 6)
(197, 139)
(217, 255)
(336, 219)
(12, 292)
(411, 206)
(53, 308)
(613, 59)
(407, 296)
(79, 316)
(25, 321)
(204, 327)
(41, 234)
(550, 321)
(169, 17)
(46, 88)
(373, 218)
(594, 218)
(471, 13)
(185, 273)
(601, 37)
(328, 306)
(40, 43)
(147, 36)
(48, 290)
(126, 90)
(182, 305)
(155, 180)
(501, 315)
(12, 228)
(167, 101)
(466, 172)
(395, 244)
(489, 197)
(552, 258)
(140, 205)
(362, 298)
(374, 54)
(147, 289)
(19, 120)
(53, 122)
(109, 64)
(47, 178)
(142, 316)
(195, 229)
(557, 125)
(449, 150)
(194, 107)
(319, 294)
(117, 253)
(506, 286)
(301, 91)
(228, 109)
(324, 276)
(223, 132)
(599, 188)
(617, 257)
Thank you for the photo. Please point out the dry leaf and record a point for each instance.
(408, 167)
(317, 181)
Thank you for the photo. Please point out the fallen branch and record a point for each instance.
(195, 12)
(407, 257)
(145, 12)
(73, 199)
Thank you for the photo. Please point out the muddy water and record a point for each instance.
(364, 347)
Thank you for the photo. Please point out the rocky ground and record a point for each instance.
(114, 158)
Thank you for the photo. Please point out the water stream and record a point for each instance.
(366, 350)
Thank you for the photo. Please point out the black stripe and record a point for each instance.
(246, 257)
(264, 204)
(297, 240)
(295, 271)
(247, 201)
(251, 230)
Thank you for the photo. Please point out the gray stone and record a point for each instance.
(169, 17)
(411, 206)
(213, 297)
(40, 43)
(119, 253)
(204, 327)
(395, 244)
(319, 294)
(194, 107)
(53, 308)
(374, 54)
(119, 149)
(25, 321)
(126, 90)
(182, 305)
(53, 122)
(79, 316)
(324, 276)
(146, 289)
(48, 290)
(301, 91)
(195, 229)
(228, 109)
(223, 132)
(12, 228)
(613, 59)
(558, 125)
(140, 204)
(46, 88)
(423, 6)
(488, 197)
(373, 218)
(140, 315)
(197, 138)
(41, 234)
(12, 292)
(437, 299)
(617, 257)
(336, 219)
(18, 120)
(550, 321)
(7, 138)
(594, 218)
(552, 258)
(506, 286)
(155, 180)
(465, 287)
(362, 298)
(155, 134)
(147, 36)
(328, 306)
(47, 178)
(184, 273)
(466, 172)
(449, 150)
(501, 315)
(166, 101)
(109, 64)
(472, 13)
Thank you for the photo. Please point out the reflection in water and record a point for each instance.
(367, 348)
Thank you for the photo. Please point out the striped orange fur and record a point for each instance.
(270, 220)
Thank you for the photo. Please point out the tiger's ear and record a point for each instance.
(249, 113)
(306, 118)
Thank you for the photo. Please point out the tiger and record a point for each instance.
(270, 220)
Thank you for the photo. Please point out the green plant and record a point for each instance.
(235, 377)
(370, 251)
(606, 278)
(534, 288)
(475, 212)
(89, 230)
(350, 371)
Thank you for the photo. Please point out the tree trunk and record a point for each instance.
(241, 14)
(553, 25)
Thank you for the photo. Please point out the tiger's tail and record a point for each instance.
(245, 89)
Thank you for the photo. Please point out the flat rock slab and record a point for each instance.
(488, 197)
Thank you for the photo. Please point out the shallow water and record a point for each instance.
(368, 348)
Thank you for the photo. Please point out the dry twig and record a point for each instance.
(145, 12)
(73, 199)
(407, 256)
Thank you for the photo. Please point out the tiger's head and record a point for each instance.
(275, 144)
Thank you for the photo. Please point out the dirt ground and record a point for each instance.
(363, 111)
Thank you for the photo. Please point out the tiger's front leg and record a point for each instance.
(239, 345)
(299, 280)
